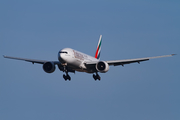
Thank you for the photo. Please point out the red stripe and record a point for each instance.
(96, 52)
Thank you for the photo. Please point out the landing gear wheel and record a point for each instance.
(68, 77)
(94, 76)
(65, 77)
(98, 77)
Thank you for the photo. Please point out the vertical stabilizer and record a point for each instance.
(98, 50)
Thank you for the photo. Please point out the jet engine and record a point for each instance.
(102, 66)
(49, 67)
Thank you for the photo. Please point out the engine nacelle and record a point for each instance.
(102, 66)
(49, 67)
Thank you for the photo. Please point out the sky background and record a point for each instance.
(38, 29)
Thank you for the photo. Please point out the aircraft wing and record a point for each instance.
(138, 60)
(31, 60)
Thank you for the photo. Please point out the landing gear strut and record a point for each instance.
(96, 76)
(66, 76)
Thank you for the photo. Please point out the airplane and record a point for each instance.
(70, 60)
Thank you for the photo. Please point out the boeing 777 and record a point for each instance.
(70, 60)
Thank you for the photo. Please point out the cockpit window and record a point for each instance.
(63, 52)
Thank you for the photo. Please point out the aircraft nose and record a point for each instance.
(60, 57)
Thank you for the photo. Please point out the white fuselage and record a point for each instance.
(71, 60)
(75, 59)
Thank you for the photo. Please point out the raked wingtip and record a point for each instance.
(173, 54)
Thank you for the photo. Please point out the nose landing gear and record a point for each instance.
(66, 76)
(96, 77)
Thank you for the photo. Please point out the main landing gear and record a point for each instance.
(96, 76)
(66, 77)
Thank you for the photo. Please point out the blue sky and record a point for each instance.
(131, 29)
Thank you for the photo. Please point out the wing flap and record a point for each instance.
(31, 60)
(128, 62)
(138, 60)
